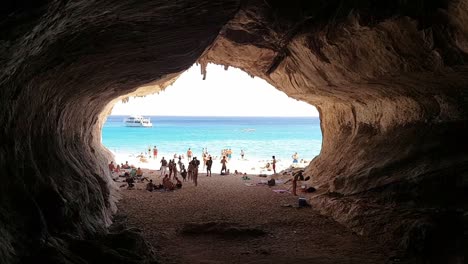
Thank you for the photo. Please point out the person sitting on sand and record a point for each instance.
(167, 183)
(126, 166)
(223, 168)
(139, 172)
(150, 186)
(209, 163)
(111, 166)
(178, 183)
(267, 166)
(117, 169)
(130, 182)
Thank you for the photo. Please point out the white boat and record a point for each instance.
(137, 121)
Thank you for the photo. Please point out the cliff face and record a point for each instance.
(390, 82)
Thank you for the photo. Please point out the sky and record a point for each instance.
(222, 93)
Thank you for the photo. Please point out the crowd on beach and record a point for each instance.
(174, 171)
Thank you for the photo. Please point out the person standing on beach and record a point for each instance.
(155, 152)
(195, 163)
(209, 162)
(295, 157)
(223, 168)
(229, 152)
(180, 163)
(170, 167)
(190, 171)
(174, 169)
(242, 154)
(274, 164)
(149, 151)
(189, 155)
(163, 166)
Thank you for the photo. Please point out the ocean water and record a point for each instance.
(259, 137)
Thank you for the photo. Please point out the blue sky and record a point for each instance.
(223, 93)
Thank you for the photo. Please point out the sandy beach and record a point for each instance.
(253, 165)
(226, 219)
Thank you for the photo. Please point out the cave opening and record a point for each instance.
(229, 110)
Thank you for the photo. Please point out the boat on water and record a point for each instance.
(137, 121)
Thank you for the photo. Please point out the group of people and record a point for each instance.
(119, 167)
(167, 184)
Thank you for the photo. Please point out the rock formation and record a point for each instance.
(389, 80)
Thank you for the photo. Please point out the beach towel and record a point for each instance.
(281, 191)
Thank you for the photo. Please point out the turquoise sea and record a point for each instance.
(259, 137)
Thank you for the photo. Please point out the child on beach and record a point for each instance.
(183, 173)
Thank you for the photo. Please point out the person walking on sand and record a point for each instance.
(274, 164)
(209, 162)
(163, 166)
(155, 152)
(223, 167)
(242, 154)
(189, 155)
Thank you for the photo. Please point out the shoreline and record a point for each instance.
(252, 165)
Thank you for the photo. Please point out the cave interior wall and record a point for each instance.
(389, 81)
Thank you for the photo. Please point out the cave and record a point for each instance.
(388, 78)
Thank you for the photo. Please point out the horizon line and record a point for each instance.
(204, 115)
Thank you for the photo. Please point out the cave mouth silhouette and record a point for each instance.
(389, 81)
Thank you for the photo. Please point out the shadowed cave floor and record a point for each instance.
(230, 222)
